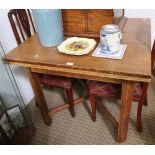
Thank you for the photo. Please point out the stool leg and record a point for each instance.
(69, 94)
(93, 107)
(146, 101)
(36, 102)
(139, 116)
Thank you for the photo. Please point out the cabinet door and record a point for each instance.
(98, 18)
(73, 21)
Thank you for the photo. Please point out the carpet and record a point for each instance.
(81, 130)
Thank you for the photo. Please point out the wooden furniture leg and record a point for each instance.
(126, 100)
(69, 94)
(93, 107)
(146, 101)
(143, 101)
(36, 102)
(39, 96)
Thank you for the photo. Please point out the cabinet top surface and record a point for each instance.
(135, 63)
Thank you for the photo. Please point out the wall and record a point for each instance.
(9, 42)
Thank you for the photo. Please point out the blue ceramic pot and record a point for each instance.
(49, 26)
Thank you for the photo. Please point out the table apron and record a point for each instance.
(90, 75)
(82, 74)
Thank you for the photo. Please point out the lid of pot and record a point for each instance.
(110, 28)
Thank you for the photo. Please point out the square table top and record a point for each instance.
(135, 65)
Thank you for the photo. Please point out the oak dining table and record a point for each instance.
(135, 66)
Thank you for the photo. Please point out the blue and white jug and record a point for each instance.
(110, 37)
(49, 26)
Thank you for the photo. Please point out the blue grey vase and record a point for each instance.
(49, 26)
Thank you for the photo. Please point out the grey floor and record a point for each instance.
(82, 130)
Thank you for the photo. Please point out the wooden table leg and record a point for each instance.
(39, 96)
(126, 100)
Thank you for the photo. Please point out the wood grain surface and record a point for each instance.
(135, 65)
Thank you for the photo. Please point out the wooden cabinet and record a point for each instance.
(85, 22)
(73, 20)
(97, 18)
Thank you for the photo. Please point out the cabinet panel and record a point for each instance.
(97, 18)
(74, 20)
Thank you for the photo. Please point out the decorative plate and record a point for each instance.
(77, 46)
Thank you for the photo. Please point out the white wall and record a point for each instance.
(9, 42)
